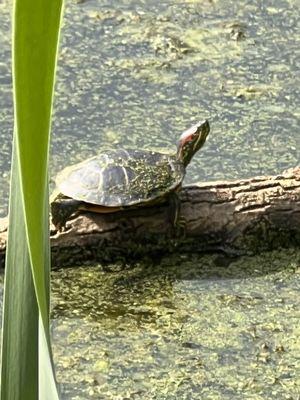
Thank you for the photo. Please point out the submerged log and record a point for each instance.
(238, 216)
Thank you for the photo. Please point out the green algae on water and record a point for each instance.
(189, 327)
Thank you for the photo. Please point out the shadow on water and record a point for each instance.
(84, 289)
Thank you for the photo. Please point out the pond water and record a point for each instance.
(188, 328)
(136, 74)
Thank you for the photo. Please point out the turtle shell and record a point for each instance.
(122, 178)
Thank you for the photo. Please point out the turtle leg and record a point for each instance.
(61, 211)
(177, 221)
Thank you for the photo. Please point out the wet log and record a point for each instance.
(236, 217)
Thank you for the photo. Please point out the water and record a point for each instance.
(188, 328)
(137, 74)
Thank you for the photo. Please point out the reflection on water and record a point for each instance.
(188, 328)
(137, 74)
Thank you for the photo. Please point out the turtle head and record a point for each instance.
(191, 141)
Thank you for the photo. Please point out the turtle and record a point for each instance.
(119, 179)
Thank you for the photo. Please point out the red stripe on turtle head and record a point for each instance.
(191, 141)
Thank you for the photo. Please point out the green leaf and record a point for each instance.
(36, 28)
(20, 319)
(27, 367)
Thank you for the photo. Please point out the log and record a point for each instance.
(236, 217)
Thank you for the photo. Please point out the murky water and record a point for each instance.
(188, 328)
(136, 74)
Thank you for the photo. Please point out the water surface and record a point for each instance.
(188, 328)
(138, 73)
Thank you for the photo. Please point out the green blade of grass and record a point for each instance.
(36, 30)
(20, 319)
(26, 367)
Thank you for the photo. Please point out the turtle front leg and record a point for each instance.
(177, 221)
(61, 211)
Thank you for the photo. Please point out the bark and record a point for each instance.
(247, 215)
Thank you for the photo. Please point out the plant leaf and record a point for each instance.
(20, 317)
(27, 368)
